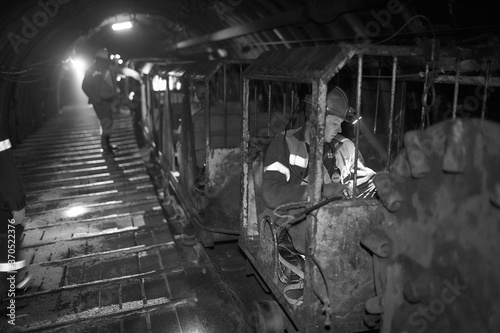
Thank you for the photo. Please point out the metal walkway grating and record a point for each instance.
(102, 255)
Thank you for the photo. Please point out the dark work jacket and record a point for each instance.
(285, 169)
(12, 194)
(99, 83)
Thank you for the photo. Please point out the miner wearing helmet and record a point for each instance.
(100, 86)
(286, 164)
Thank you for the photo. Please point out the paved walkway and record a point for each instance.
(102, 254)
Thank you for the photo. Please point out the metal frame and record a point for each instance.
(190, 72)
(317, 66)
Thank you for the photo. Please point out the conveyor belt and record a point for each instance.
(100, 250)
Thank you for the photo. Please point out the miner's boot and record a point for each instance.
(107, 147)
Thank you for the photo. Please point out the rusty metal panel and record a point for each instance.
(223, 189)
(412, 60)
(345, 264)
(176, 69)
(482, 54)
(305, 64)
(204, 70)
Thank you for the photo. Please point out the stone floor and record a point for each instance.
(102, 255)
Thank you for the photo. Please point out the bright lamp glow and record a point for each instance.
(76, 211)
(78, 64)
(174, 83)
(121, 26)
(354, 122)
(159, 84)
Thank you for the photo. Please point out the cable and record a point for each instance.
(34, 66)
(27, 81)
(303, 214)
(289, 206)
(405, 25)
(431, 84)
(326, 300)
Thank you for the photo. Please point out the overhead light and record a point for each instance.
(222, 53)
(121, 26)
(147, 68)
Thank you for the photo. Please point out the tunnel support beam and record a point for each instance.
(290, 17)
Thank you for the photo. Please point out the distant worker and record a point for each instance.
(286, 165)
(100, 86)
(12, 214)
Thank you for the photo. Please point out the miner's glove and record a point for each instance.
(18, 216)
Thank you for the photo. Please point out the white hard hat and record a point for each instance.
(337, 105)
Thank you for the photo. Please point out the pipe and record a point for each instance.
(282, 19)
(225, 104)
(485, 95)
(377, 99)
(424, 96)
(358, 108)
(255, 110)
(269, 110)
(391, 110)
(455, 94)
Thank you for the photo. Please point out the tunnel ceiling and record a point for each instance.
(39, 34)
(49, 27)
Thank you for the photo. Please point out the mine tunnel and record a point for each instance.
(135, 140)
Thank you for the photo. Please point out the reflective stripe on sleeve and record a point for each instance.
(277, 166)
(13, 266)
(298, 161)
(5, 144)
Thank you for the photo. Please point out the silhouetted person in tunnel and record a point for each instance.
(100, 86)
(12, 215)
